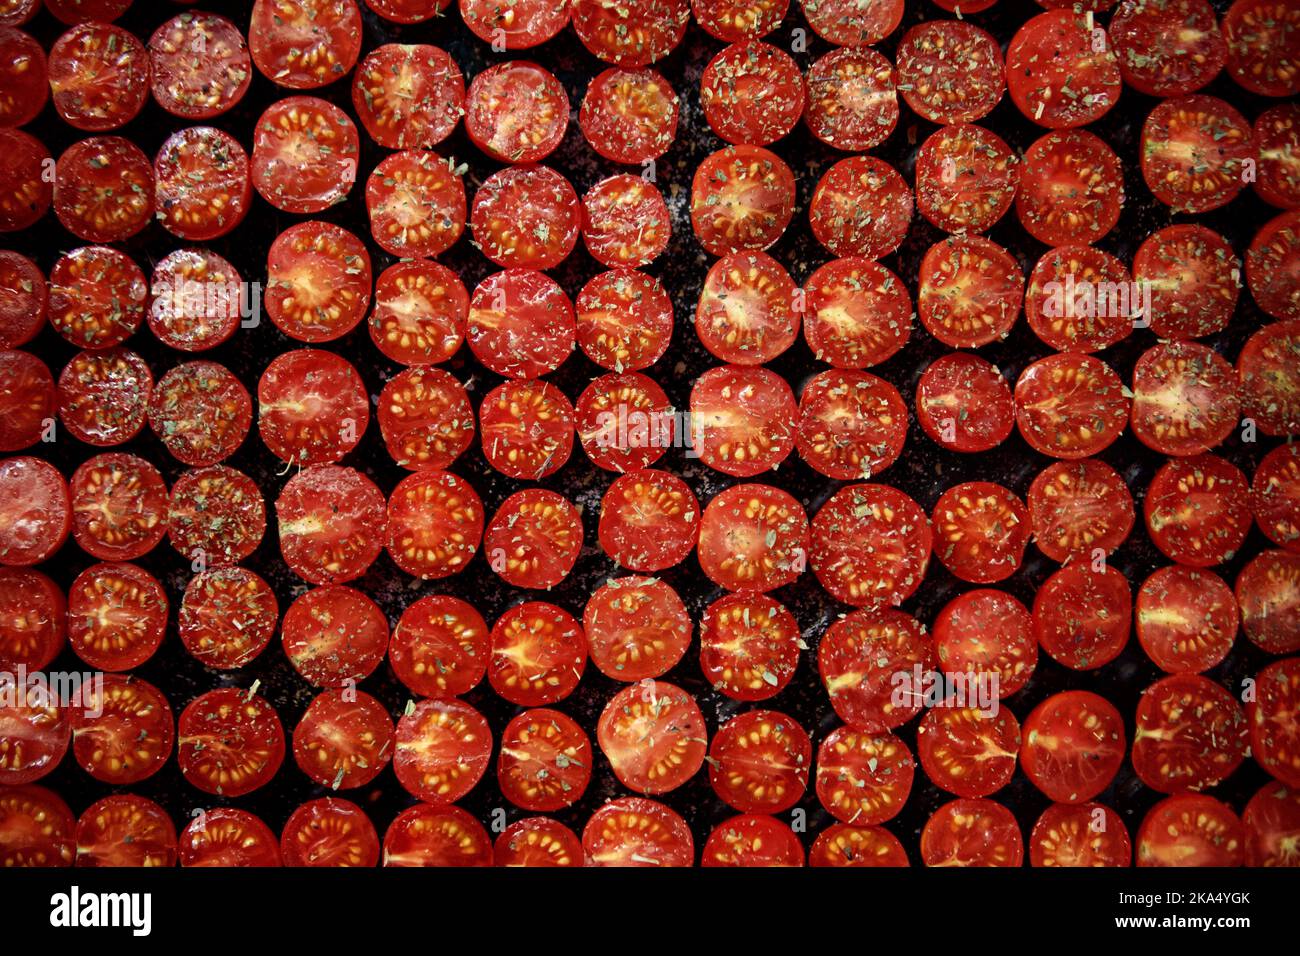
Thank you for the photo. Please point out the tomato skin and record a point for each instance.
(545, 761)
(972, 833)
(24, 299)
(1262, 55)
(634, 831)
(201, 412)
(534, 539)
(344, 739)
(132, 736)
(1186, 619)
(857, 313)
(838, 211)
(625, 222)
(1194, 280)
(319, 282)
(36, 510)
(981, 531)
(227, 617)
(104, 189)
(631, 36)
(649, 520)
(1274, 730)
(752, 93)
(42, 828)
(636, 628)
(742, 197)
(1073, 746)
(329, 832)
(1080, 508)
(1190, 829)
(1194, 151)
(201, 66)
(1169, 47)
(226, 837)
(1069, 835)
(1190, 734)
(197, 300)
(759, 761)
(25, 192)
(431, 834)
(305, 153)
(891, 569)
(516, 112)
(1054, 52)
(1071, 188)
(99, 77)
(1081, 616)
(304, 44)
(526, 217)
(1197, 510)
(1271, 819)
(1070, 406)
(1270, 386)
(408, 95)
(841, 844)
(1275, 496)
(33, 619)
(27, 400)
(217, 516)
(752, 840)
(743, 419)
(527, 429)
(987, 632)
(629, 116)
(539, 652)
(35, 731)
(849, 23)
(334, 636)
(229, 742)
(537, 841)
(420, 312)
(730, 549)
(653, 735)
(125, 830)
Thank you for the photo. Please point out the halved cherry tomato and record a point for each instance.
(436, 835)
(516, 112)
(24, 297)
(653, 735)
(753, 538)
(545, 761)
(1082, 615)
(318, 285)
(852, 103)
(971, 291)
(1275, 496)
(1081, 299)
(25, 189)
(1272, 820)
(1277, 136)
(734, 20)
(425, 417)
(197, 300)
(857, 313)
(416, 203)
(1070, 406)
(1198, 510)
(201, 66)
(1274, 729)
(526, 217)
(1184, 398)
(1058, 72)
(201, 412)
(518, 25)
(305, 154)
(968, 751)
(227, 617)
(1190, 829)
(843, 845)
(538, 654)
(981, 530)
(226, 837)
(748, 311)
(861, 778)
(229, 742)
(950, 71)
(1262, 46)
(965, 178)
(1167, 47)
(629, 116)
(38, 828)
(1194, 151)
(117, 614)
(742, 197)
(1192, 277)
(408, 11)
(27, 400)
(964, 404)
(752, 93)
(104, 189)
(119, 507)
(1073, 746)
(624, 422)
(853, 22)
(123, 733)
(202, 187)
(743, 420)
(759, 761)
(14, 13)
(1186, 619)
(99, 77)
(217, 516)
(520, 324)
(1270, 385)
(752, 839)
(329, 832)
(35, 511)
(1268, 592)
(97, 297)
(439, 647)
(631, 35)
(125, 830)
(344, 739)
(420, 312)
(527, 429)
(870, 545)
(534, 538)
(303, 44)
(649, 520)
(625, 222)
(859, 656)
(972, 833)
(633, 831)
(435, 523)
(987, 633)
(82, 11)
(749, 646)
(33, 620)
(1273, 267)
(331, 523)
(104, 396)
(312, 407)
(408, 95)
(1080, 509)
(851, 424)
(861, 207)
(1082, 835)
(636, 628)
(34, 734)
(1071, 188)
(25, 75)
(537, 841)
(1190, 734)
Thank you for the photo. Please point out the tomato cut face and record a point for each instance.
(968, 751)
(534, 539)
(519, 25)
(1193, 279)
(27, 400)
(24, 297)
(1274, 730)
(981, 530)
(1184, 398)
(538, 654)
(1085, 835)
(25, 75)
(331, 523)
(527, 429)
(1058, 74)
(1262, 39)
(1194, 151)
(34, 735)
(116, 616)
(217, 516)
(1073, 746)
(970, 291)
(1081, 616)
(229, 742)
(425, 417)
(1198, 510)
(1070, 406)
(1268, 592)
(870, 545)
(319, 282)
(25, 189)
(742, 197)
(1071, 189)
(1273, 268)
(126, 830)
(630, 35)
(734, 20)
(201, 66)
(1275, 496)
(1169, 47)
(439, 647)
(1080, 509)
(537, 841)
(753, 538)
(977, 833)
(990, 634)
(859, 656)
(653, 735)
(861, 778)
(124, 732)
(752, 93)
(841, 844)
(408, 95)
(1270, 385)
(33, 619)
(1271, 819)
(104, 396)
(103, 189)
(965, 178)
(852, 103)
(1186, 619)
(633, 831)
(861, 207)
(857, 313)
(950, 71)
(747, 313)
(329, 832)
(752, 840)
(1191, 829)
(636, 628)
(516, 112)
(743, 420)
(851, 424)
(201, 412)
(73, 12)
(629, 116)
(408, 11)
(197, 300)
(38, 828)
(14, 13)
(749, 646)
(625, 222)
(227, 617)
(97, 297)
(436, 835)
(119, 507)
(759, 762)
(521, 324)
(202, 183)
(964, 404)
(625, 422)
(226, 837)
(1277, 135)
(312, 407)
(1190, 734)
(851, 22)
(416, 204)
(420, 312)
(649, 520)
(303, 44)
(35, 511)
(435, 523)
(526, 217)
(99, 77)
(442, 749)
(545, 761)
(1081, 299)
(305, 153)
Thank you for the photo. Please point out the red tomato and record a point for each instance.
(443, 748)
(624, 320)
(870, 545)
(1275, 496)
(1277, 135)
(14, 13)
(202, 184)
(629, 116)
(636, 628)
(1192, 276)
(1085, 835)
(97, 297)
(119, 507)
(1061, 72)
(1272, 820)
(33, 620)
(742, 197)
(538, 654)
(734, 20)
(967, 751)
(978, 833)
(331, 523)
(752, 839)
(964, 404)
(1198, 510)
(420, 312)
(99, 77)
(344, 740)
(125, 830)
(201, 66)
(631, 35)
(743, 420)
(1184, 398)
(34, 734)
(859, 656)
(1081, 615)
(227, 617)
(950, 71)
(534, 538)
(521, 324)
(633, 831)
(334, 635)
(753, 538)
(37, 828)
(1073, 746)
(439, 647)
(1169, 47)
(1186, 619)
(861, 778)
(624, 422)
(27, 400)
(201, 412)
(649, 520)
(987, 632)
(81, 11)
(305, 154)
(25, 189)
(104, 396)
(312, 407)
(1080, 509)
(24, 297)
(852, 103)
(1270, 386)
(516, 112)
(1194, 150)
(226, 837)
(537, 841)
(527, 429)
(526, 217)
(329, 832)
(545, 761)
(518, 25)
(124, 732)
(749, 646)
(1273, 267)
(303, 44)
(981, 530)
(197, 300)
(35, 511)
(759, 762)
(653, 735)
(318, 285)
(24, 72)
(851, 424)
(1190, 734)
(1190, 829)
(229, 742)
(1071, 189)
(217, 516)
(1070, 406)
(416, 203)
(1274, 729)
(1262, 46)
(856, 313)
(748, 311)
(752, 93)
(965, 178)
(104, 189)
(971, 291)
(625, 222)
(425, 417)
(843, 845)
(853, 22)
(408, 11)
(861, 207)
(116, 616)
(408, 95)
(1081, 299)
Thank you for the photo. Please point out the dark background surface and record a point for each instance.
(923, 471)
